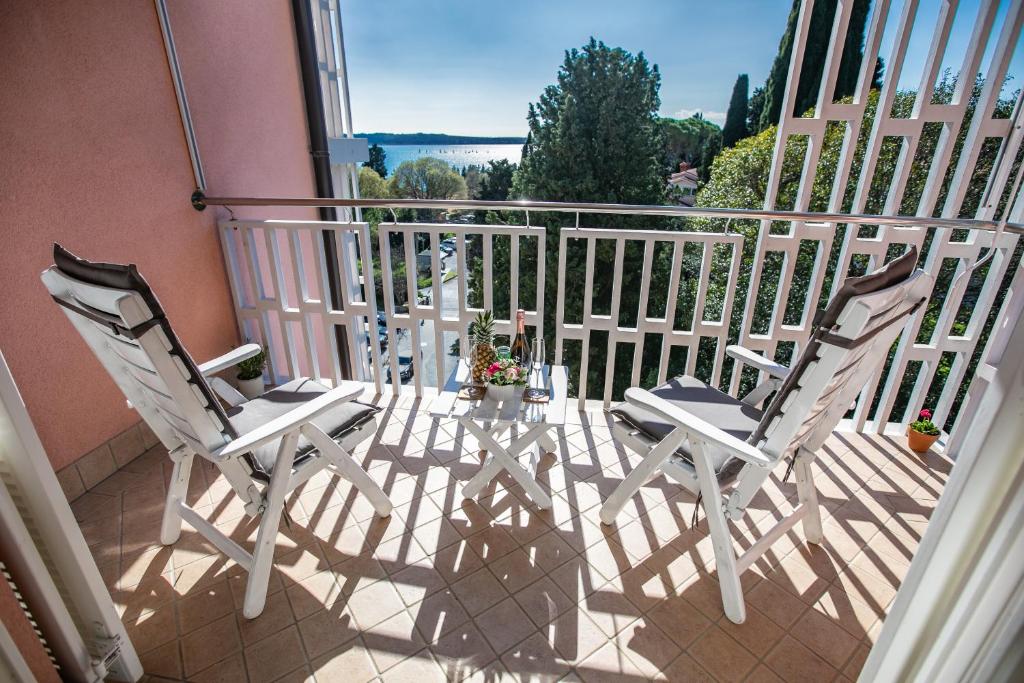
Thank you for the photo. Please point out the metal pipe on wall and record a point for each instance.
(179, 93)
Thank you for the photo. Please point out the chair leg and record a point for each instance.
(808, 497)
(266, 538)
(170, 527)
(721, 539)
(651, 463)
(349, 468)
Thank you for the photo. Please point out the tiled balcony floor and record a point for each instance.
(496, 590)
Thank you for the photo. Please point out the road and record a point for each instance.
(450, 308)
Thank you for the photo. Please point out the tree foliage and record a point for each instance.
(738, 180)
(819, 33)
(496, 182)
(735, 128)
(371, 184)
(695, 140)
(755, 105)
(594, 133)
(377, 160)
(427, 178)
(594, 137)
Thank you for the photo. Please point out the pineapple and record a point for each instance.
(483, 345)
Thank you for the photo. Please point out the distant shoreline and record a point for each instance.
(436, 139)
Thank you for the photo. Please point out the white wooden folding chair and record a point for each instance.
(705, 439)
(264, 447)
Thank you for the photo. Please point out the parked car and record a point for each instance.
(405, 369)
(448, 245)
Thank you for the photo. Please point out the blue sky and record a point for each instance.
(471, 67)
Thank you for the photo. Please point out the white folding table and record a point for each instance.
(487, 420)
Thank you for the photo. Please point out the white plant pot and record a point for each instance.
(251, 388)
(504, 393)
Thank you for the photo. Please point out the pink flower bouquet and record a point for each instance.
(506, 372)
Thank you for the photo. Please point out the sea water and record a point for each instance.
(454, 155)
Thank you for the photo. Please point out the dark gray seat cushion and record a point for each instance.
(704, 402)
(257, 412)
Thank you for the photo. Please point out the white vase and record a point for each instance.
(251, 388)
(503, 393)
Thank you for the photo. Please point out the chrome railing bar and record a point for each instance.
(200, 202)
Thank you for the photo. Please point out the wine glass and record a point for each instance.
(537, 357)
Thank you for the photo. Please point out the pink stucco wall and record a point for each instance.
(92, 155)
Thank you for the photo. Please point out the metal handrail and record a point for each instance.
(200, 202)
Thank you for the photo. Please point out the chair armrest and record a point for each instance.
(695, 428)
(293, 419)
(212, 367)
(233, 397)
(756, 360)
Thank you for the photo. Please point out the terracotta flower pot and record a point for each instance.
(918, 442)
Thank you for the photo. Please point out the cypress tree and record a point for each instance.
(735, 128)
(755, 105)
(819, 32)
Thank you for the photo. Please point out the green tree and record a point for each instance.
(371, 184)
(594, 134)
(496, 182)
(755, 105)
(426, 178)
(473, 176)
(815, 52)
(738, 180)
(695, 140)
(735, 128)
(377, 160)
(593, 137)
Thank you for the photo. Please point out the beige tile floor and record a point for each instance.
(495, 590)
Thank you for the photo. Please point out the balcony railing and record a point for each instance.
(720, 276)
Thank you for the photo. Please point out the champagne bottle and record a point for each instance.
(520, 346)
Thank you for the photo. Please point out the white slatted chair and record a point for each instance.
(705, 439)
(264, 447)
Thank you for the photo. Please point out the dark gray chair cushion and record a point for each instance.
(704, 402)
(257, 412)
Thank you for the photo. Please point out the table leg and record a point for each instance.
(506, 459)
(547, 443)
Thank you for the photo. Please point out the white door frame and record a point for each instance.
(960, 609)
(56, 556)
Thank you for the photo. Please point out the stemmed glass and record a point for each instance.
(537, 356)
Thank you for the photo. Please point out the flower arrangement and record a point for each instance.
(924, 424)
(923, 433)
(506, 372)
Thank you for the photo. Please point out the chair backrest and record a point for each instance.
(849, 343)
(118, 316)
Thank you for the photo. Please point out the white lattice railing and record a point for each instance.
(280, 282)
(449, 310)
(302, 328)
(662, 323)
(684, 296)
(1001, 39)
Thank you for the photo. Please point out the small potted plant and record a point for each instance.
(250, 375)
(505, 379)
(922, 433)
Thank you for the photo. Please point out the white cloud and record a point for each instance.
(713, 116)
